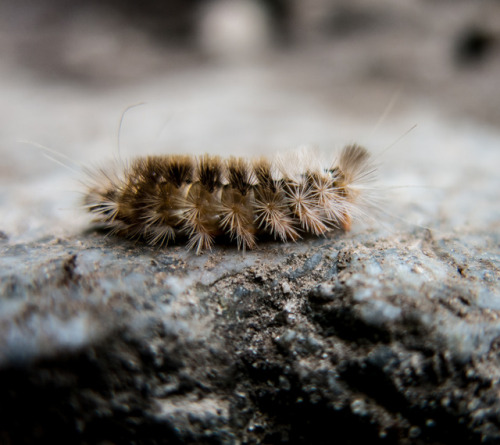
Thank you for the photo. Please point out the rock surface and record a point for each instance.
(387, 334)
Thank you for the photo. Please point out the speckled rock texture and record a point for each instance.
(388, 334)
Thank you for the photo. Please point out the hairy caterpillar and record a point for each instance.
(159, 197)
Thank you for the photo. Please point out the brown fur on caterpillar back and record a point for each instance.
(157, 197)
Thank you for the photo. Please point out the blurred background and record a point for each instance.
(444, 48)
(246, 77)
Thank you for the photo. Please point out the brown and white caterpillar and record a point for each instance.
(158, 197)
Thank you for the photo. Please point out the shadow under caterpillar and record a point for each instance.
(158, 197)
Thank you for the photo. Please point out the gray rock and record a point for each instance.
(123, 343)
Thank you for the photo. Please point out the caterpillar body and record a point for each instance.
(156, 198)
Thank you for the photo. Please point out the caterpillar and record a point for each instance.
(157, 198)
